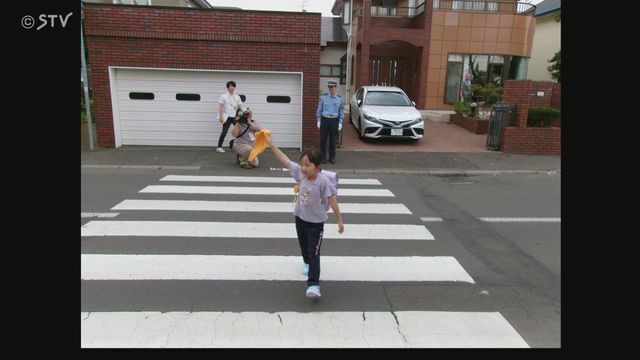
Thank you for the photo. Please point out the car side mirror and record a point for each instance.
(359, 102)
(414, 103)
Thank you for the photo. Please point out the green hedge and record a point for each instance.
(542, 116)
(490, 92)
(462, 108)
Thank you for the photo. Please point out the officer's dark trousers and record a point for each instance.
(328, 126)
(310, 240)
(230, 121)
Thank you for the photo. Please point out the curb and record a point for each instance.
(149, 167)
(442, 172)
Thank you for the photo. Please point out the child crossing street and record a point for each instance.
(316, 194)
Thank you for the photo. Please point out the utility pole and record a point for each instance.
(85, 80)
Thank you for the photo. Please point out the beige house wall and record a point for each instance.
(546, 42)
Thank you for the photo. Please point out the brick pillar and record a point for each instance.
(518, 93)
(363, 68)
(424, 56)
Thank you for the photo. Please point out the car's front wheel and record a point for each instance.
(360, 131)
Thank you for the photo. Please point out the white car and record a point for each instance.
(385, 112)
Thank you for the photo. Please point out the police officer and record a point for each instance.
(329, 116)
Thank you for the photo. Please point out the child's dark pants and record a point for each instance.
(310, 240)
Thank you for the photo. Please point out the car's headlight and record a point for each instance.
(415, 121)
(372, 119)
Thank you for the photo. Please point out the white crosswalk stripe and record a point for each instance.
(281, 268)
(259, 179)
(106, 326)
(249, 230)
(423, 329)
(240, 190)
(253, 206)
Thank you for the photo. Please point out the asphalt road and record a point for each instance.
(514, 261)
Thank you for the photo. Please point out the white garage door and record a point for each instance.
(180, 107)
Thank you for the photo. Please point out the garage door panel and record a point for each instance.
(134, 116)
(132, 107)
(168, 121)
(176, 126)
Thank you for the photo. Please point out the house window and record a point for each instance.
(346, 13)
(454, 78)
(477, 66)
(384, 7)
(330, 70)
(496, 69)
(518, 67)
(479, 5)
(483, 69)
(343, 70)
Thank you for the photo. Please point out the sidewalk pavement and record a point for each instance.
(347, 161)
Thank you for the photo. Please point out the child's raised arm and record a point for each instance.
(279, 154)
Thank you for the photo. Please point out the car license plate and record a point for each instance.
(396, 132)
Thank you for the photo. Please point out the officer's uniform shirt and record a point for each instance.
(330, 107)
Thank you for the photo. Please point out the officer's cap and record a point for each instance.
(332, 83)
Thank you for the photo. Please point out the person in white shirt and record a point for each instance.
(229, 105)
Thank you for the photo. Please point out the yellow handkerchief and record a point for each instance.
(260, 144)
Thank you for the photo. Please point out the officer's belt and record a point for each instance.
(329, 117)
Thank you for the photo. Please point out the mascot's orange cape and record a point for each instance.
(261, 143)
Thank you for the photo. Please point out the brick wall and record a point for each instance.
(163, 37)
(518, 92)
(556, 98)
(474, 125)
(530, 140)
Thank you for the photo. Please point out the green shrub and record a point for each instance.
(490, 92)
(462, 108)
(555, 66)
(542, 116)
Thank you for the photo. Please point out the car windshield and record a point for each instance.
(386, 98)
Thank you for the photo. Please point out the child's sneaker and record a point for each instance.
(313, 292)
(220, 150)
(305, 269)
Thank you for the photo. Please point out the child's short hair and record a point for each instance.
(314, 157)
(231, 83)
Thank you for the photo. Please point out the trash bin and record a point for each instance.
(502, 116)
